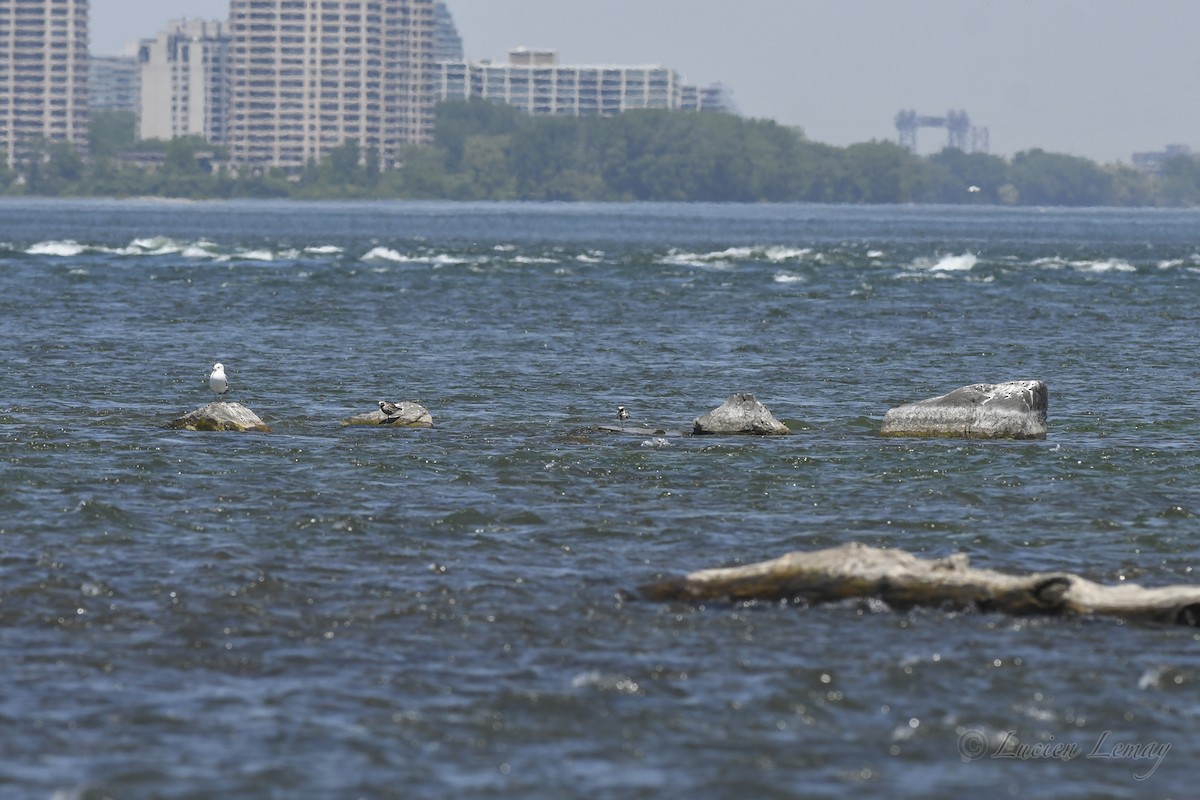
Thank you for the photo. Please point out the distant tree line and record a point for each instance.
(486, 151)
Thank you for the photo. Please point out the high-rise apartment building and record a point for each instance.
(185, 82)
(535, 82)
(309, 76)
(43, 74)
(447, 43)
(113, 84)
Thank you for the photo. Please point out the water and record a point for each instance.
(336, 612)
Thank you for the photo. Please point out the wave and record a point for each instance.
(722, 259)
(386, 254)
(1108, 265)
(63, 249)
(152, 246)
(963, 263)
(791, 262)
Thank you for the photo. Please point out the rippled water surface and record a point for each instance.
(346, 612)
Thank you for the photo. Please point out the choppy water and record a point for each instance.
(333, 612)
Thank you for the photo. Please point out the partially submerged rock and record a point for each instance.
(740, 414)
(1014, 410)
(221, 416)
(397, 415)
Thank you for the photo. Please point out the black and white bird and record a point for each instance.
(389, 409)
(217, 380)
(622, 415)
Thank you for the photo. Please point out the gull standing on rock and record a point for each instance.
(217, 380)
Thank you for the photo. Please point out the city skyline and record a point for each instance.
(1097, 78)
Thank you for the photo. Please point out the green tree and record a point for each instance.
(883, 172)
(1053, 179)
(484, 172)
(54, 168)
(967, 177)
(457, 121)
(110, 132)
(1180, 181)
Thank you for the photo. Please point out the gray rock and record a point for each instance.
(740, 414)
(1014, 410)
(396, 415)
(221, 416)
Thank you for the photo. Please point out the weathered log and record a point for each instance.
(221, 416)
(1013, 410)
(740, 414)
(637, 431)
(903, 580)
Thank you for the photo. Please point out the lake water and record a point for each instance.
(347, 612)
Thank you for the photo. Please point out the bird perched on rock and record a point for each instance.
(389, 409)
(217, 380)
(622, 415)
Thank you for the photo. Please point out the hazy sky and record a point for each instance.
(1098, 78)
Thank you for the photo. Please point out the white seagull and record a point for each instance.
(217, 380)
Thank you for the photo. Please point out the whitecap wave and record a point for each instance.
(1108, 265)
(323, 250)
(722, 259)
(61, 249)
(607, 682)
(152, 246)
(786, 277)
(255, 255)
(386, 254)
(1053, 262)
(199, 250)
(964, 263)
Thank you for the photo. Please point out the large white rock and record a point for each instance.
(740, 414)
(221, 416)
(1013, 410)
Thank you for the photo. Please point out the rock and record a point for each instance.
(221, 416)
(396, 415)
(1014, 410)
(740, 414)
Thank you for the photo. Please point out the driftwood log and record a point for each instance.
(903, 580)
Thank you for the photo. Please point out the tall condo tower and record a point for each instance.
(184, 75)
(43, 74)
(308, 76)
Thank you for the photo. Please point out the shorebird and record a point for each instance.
(389, 409)
(217, 380)
(622, 415)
